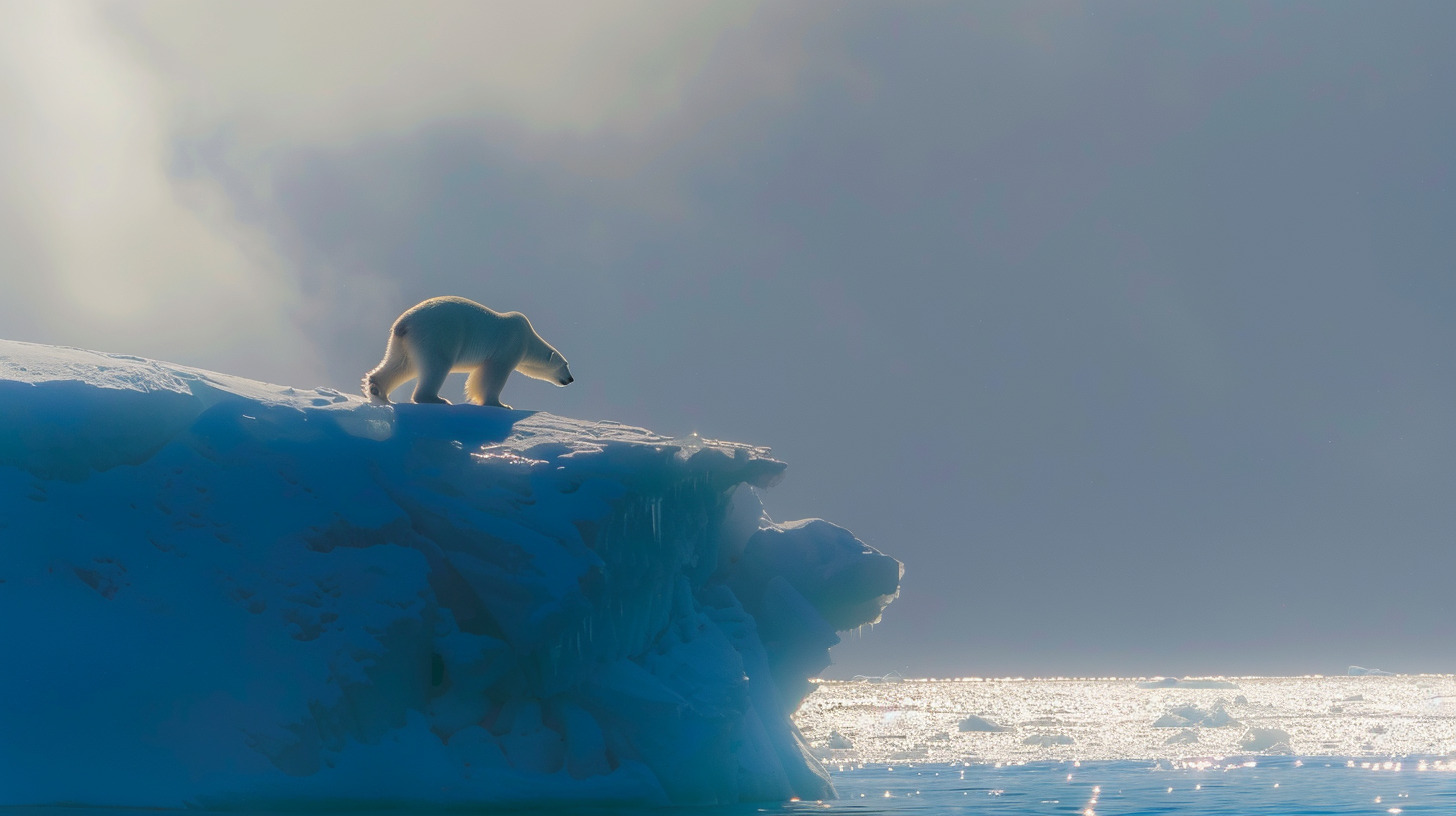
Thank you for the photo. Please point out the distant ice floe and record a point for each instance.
(1187, 683)
(1361, 671)
(974, 723)
(891, 677)
(220, 593)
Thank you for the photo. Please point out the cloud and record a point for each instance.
(331, 70)
(102, 248)
(151, 141)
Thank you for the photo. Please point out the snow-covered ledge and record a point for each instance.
(222, 593)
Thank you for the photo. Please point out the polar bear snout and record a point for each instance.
(560, 372)
(373, 391)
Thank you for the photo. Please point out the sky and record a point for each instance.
(1125, 326)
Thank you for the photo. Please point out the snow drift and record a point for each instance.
(223, 593)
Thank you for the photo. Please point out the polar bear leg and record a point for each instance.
(484, 384)
(432, 374)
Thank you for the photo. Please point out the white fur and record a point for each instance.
(447, 334)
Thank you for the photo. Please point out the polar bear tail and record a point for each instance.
(394, 369)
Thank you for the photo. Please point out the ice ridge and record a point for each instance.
(224, 593)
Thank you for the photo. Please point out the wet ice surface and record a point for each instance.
(1104, 720)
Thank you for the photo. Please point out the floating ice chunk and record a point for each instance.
(1185, 716)
(975, 723)
(1361, 671)
(1266, 740)
(1183, 737)
(1218, 717)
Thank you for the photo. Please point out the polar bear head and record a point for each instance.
(552, 368)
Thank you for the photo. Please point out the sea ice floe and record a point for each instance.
(1183, 737)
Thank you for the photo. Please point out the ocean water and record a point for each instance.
(1242, 785)
(1127, 719)
(1302, 745)
(1281, 786)
(1340, 745)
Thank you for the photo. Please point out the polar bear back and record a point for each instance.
(470, 334)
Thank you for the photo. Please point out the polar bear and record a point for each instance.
(446, 334)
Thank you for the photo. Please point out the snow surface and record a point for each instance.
(224, 593)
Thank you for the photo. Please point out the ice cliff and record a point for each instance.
(222, 593)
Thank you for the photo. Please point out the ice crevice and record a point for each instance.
(225, 593)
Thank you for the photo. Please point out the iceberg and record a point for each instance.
(1361, 671)
(222, 593)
